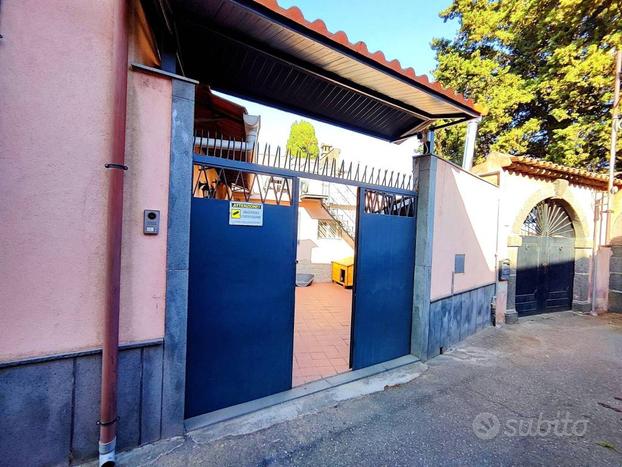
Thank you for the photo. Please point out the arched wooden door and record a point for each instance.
(545, 269)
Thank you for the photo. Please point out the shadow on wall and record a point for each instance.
(305, 249)
(542, 285)
(304, 263)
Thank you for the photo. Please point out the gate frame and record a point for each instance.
(182, 160)
(220, 162)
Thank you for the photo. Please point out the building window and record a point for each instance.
(328, 229)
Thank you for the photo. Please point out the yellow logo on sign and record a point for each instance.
(236, 214)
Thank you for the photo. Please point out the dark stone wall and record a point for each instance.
(615, 280)
(581, 300)
(177, 258)
(454, 318)
(49, 408)
(35, 413)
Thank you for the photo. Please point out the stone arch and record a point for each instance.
(558, 191)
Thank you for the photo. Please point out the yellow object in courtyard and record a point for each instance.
(343, 271)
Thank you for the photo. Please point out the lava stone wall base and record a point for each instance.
(454, 318)
(49, 407)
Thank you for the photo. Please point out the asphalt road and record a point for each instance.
(545, 391)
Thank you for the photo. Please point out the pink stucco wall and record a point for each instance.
(55, 137)
(143, 266)
(465, 222)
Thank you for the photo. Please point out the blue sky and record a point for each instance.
(402, 29)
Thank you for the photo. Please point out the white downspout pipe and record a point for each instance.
(225, 144)
(469, 143)
(252, 124)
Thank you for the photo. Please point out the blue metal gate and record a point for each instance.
(384, 273)
(241, 285)
(241, 290)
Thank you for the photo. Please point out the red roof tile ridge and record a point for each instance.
(295, 14)
(533, 161)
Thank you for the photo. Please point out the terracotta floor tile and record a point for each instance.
(325, 371)
(331, 351)
(339, 362)
(303, 364)
(306, 372)
(308, 379)
(322, 332)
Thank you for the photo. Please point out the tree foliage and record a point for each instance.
(302, 141)
(543, 68)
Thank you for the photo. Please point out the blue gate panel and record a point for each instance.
(240, 306)
(383, 289)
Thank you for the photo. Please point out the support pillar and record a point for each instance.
(425, 170)
(511, 315)
(177, 257)
(581, 299)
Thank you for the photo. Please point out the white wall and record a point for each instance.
(315, 254)
(521, 191)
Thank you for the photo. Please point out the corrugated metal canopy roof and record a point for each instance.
(262, 52)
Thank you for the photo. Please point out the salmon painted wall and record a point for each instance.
(55, 137)
(143, 261)
(465, 222)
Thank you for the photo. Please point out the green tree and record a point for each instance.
(544, 70)
(302, 141)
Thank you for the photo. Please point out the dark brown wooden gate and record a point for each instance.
(545, 269)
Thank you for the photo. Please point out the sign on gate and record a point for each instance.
(245, 213)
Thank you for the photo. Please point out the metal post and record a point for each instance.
(615, 117)
(428, 142)
(596, 238)
(469, 144)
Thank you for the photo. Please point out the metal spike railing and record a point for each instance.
(231, 185)
(378, 202)
(235, 150)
